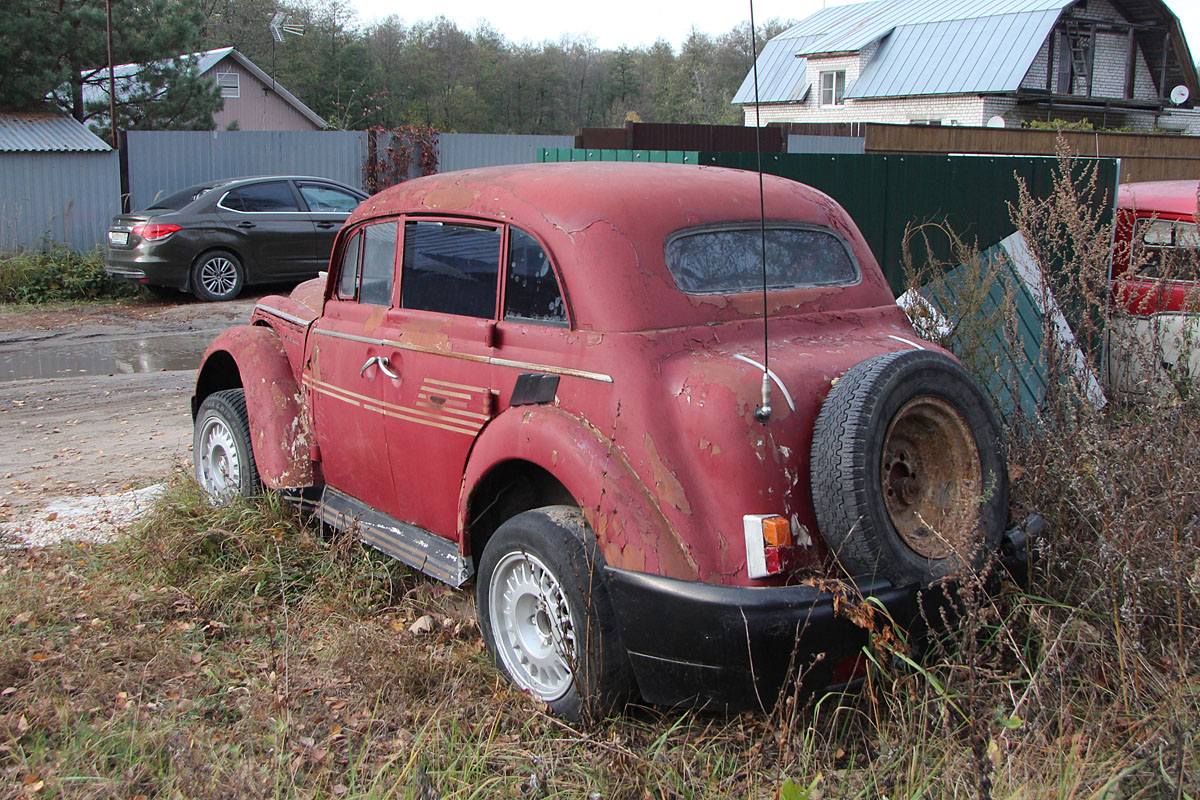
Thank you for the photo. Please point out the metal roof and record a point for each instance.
(926, 47)
(781, 74)
(850, 28)
(126, 76)
(989, 54)
(31, 132)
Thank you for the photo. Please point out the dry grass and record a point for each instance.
(234, 652)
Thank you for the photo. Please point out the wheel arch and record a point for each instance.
(545, 443)
(253, 358)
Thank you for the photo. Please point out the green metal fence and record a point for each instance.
(886, 193)
(971, 195)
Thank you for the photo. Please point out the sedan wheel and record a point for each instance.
(218, 276)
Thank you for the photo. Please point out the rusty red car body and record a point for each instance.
(1155, 281)
(430, 431)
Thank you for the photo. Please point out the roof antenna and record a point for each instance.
(763, 412)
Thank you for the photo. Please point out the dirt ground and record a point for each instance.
(97, 434)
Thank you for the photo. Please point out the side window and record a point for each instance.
(449, 268)
(272, 196)
(323, 198)
(348, 279)
(1170, 249)
(530, 291)
(378, 264)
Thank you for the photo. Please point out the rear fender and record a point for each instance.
(632, 531)
(279, 431)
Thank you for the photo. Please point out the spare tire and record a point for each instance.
(908, 474)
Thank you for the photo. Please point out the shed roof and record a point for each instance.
(36, 132)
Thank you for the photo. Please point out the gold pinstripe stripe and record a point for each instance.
(399, 412)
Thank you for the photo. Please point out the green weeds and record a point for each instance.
(59, 275)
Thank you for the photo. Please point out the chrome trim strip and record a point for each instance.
(498, 362)
(284, 315)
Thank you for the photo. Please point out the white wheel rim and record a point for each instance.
(220, 461)
(531, 622)
(218, 276)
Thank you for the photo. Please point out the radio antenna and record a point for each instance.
(763, 412)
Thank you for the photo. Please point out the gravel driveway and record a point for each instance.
(69, 439)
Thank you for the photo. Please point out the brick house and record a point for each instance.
(968, 62)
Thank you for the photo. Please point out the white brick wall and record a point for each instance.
(960, 109)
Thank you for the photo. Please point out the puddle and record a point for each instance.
(168, 351)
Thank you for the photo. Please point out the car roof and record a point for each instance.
(1167, 197)
(606, 220)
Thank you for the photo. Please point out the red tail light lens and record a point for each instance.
(154, 231)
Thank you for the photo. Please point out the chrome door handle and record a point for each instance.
(383, 367)
(380, 362)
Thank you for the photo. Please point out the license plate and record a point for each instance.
(119, 238)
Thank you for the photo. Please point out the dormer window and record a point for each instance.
(833, 88)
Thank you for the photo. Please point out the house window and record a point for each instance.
(230, 86)
(833, 88)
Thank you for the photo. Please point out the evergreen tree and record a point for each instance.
(56, 49)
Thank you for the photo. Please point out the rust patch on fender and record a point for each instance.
(668, 486)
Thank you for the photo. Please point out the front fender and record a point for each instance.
(632, 531)
(279, 431)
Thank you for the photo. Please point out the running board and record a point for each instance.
(432, 554)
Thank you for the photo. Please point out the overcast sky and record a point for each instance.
(612, 23)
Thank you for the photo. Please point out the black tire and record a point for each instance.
(218, 275)
(908, 474)
(221, 449)
(570, 656)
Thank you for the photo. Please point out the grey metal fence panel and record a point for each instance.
(467, 150)
(161, 162)
(57, 198)
(825, 144)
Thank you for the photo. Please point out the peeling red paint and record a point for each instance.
(651, 426)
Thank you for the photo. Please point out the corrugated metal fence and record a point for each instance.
(468, 150)
(161, 162)
(64, 198)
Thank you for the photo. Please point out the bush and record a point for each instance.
(56, 276)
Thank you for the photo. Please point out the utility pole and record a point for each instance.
(112, 81)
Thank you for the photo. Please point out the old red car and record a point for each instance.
(1156, 286)
(549, 379)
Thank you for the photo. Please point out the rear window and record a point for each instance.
(174, 202)
(1169, 250)
(728, 259)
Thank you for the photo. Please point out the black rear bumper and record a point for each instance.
(735, 647)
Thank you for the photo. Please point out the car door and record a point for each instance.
(348, 372)
(328, 207)
(273, 234)
(444, 323)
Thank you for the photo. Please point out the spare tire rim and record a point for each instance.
(932, 478)
(531, 621)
